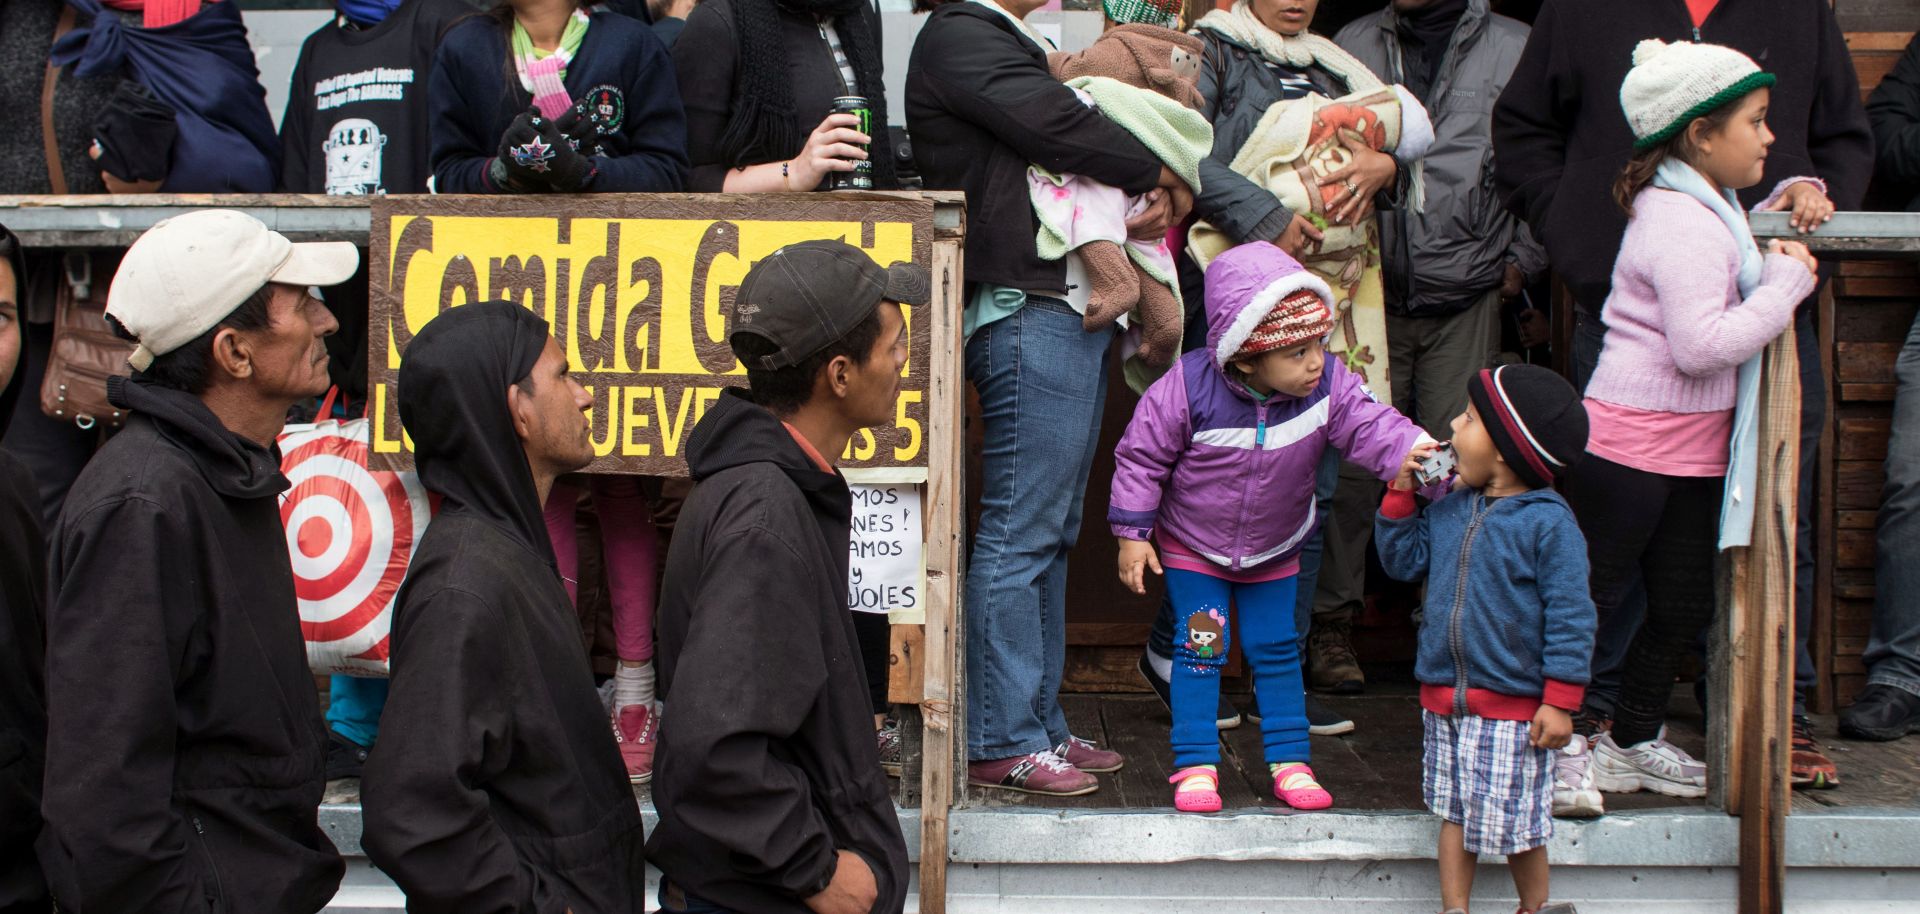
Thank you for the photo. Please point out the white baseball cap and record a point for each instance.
(187, 273)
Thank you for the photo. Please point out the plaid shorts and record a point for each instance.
(1484, 776)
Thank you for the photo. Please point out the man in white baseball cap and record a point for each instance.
(183, 729)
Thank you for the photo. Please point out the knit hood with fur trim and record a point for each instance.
(1243, 285)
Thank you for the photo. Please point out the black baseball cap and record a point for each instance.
(805, 296)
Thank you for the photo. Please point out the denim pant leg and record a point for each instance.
(1589, 336)
(1615, 632)
(1892, 657)
(1325, 480)
(1037, 373)
(1813, 416)
(1055, 609)
(353, 707)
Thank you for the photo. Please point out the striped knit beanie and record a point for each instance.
(1163, 13)
(1534, 417)
(1299, 317)
(1671, 84)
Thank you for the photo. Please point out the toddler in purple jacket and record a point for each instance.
(1217, 469)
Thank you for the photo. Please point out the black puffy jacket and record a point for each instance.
(1894, 110)
(982, 106)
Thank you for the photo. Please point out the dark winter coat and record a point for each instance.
(1239, 87)
(23, 636)
(26, 37)
(185, 739)
(1446, 256)
(705, 57)
(769, 766)
(982, 106)
(475, 95)
(496, 785)
(1560, 138)
(1894, 110)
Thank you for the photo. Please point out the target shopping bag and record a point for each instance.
(350, 533)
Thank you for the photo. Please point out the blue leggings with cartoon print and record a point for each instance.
(1202, 635)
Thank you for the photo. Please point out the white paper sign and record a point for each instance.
(884, 571)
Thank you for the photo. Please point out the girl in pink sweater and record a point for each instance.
(1693, 299)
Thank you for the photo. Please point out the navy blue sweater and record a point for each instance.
(1508, 620)
(475, 95)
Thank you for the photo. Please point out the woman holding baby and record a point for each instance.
(984, 107)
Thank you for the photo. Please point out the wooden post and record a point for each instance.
(943, 760)
(1753, 659)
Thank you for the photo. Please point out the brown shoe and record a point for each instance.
(1331, 663)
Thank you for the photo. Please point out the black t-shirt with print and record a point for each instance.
(356, 119)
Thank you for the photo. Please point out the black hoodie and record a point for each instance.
(23, 633)
(496, 785)
(1560, 138)
(185, 751)
(767, 763)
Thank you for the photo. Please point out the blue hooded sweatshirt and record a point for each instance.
(1508, 619)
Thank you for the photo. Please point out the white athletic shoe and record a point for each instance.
(1655, 765)
(1574, 796)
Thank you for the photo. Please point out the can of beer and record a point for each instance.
(861, 177)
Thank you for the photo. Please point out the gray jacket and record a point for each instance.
(1456, 247)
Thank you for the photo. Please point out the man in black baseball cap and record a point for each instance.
(768, 779)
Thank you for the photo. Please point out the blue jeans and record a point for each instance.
(1893, 653)
(1615, 632)
(689, 902)
(353, 707)
(1325, 479)
(1270, 643)
(1042, 380)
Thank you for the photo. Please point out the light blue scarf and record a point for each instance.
(1736, 506)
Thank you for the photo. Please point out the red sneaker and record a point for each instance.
(1042, 772)
(635, 728)
(1090, 758)
(1807, 766)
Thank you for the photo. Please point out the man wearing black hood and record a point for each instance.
(496, 784)
(23, 585)
(185, 751)
(768, 782)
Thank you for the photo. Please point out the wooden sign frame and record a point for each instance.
(638, 290)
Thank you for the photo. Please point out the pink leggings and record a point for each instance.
(631, 547)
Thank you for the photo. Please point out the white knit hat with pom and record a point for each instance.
(1671, 84)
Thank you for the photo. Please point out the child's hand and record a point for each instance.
(1135, 557)
(1552, 728)
(1404, 481)
(1797, 251)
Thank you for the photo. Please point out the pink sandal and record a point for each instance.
(1295, 786)
(1196, 799)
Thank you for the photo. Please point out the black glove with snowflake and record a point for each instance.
(581, 130)
(571, 169)
(524, 162)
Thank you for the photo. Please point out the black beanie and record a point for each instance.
(1534, 417)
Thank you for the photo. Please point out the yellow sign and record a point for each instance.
(638, 290)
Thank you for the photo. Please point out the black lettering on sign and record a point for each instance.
(601, 272)
(714, 352)
(645, 316)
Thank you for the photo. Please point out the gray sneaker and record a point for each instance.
(1655, 765)
(889, 738)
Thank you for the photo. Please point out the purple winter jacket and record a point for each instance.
(1228, 475)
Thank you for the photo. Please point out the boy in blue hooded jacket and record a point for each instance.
(1506, 639)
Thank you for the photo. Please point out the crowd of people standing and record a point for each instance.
(1367, 211)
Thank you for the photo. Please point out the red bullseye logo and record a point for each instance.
(350, 535)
